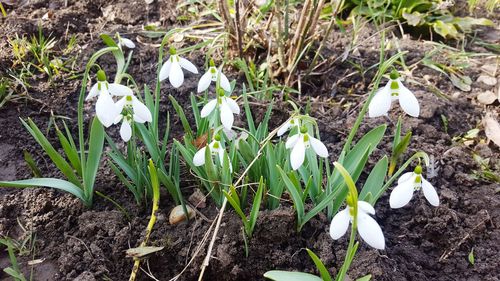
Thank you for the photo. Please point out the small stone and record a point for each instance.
(177, 214)
(488, 80)
(487, 97)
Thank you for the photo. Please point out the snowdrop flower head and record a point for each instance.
(172, 69)
(227, 107)
(216, 149)
(288, 125)
(105, 108)
(368, 228)
(299, 143)
(132, 110)
(212, 75)
(126, 42)
(393, 90)
(409, 182)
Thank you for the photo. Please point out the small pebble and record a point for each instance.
(177, 214)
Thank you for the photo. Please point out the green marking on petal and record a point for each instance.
(306, 138)
(216, 145)
(394, 85)
(418, 179)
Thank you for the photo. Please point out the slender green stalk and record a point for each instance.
(350, 249)
(4, 13)
(83, 90)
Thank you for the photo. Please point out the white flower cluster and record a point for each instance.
(127, 109)
(409, 182)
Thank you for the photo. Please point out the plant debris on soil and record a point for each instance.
(77, 243)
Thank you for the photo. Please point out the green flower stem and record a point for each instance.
(350, 251)
(83, 90)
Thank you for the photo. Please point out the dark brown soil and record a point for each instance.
(76, 243)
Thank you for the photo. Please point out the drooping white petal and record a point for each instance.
(340, 223)
(402, 193)
(406, 176)
(204, 82)
(224, 82)
(430, 193)
(284, 128)
(165, 70)
(381, 102)
(366, 207)
(125, 130)
(141, 110)
(176, 76)
(119, 90)
(370, 231)
(187, 65)
(105, 109)
(233, 105)
(298, 153)
(94, 91)
(290, 142)
(127, 43)
(226, 116)
(408, 101)
(118, 118)
(199, 157)
(318, 147)
(120, 104)
(208, 108)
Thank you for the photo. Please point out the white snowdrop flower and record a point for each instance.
(288, 125)
(299, 143)
(407, 183)
(132, 110)
(394, 90)
(215, 149)
(105, 107)
(227, 107)
(367, 227)
(172, 69)
(211, 76)
(126, 42)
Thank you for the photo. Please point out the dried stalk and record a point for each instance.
(206, 261)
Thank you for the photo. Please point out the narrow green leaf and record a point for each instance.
(31, 163)
(256, 205)
(96, 144)
(278, 275)
(71, 153)
(182, 116)
(47, 182)
(375, 180)
(365, 278)
(325, 275)
(237, 208)
(58, 160)
(296, 197)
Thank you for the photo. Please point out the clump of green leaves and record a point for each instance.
(428, 14)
